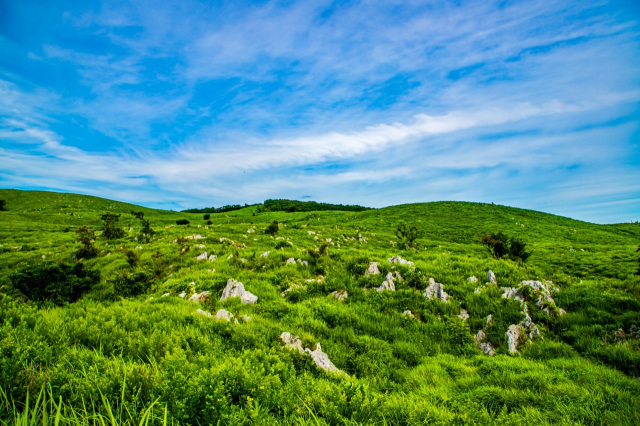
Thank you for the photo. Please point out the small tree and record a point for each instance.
(406, 236)
(182, 222)
(138, 215)
(146, 232)
(3, 204)
(206, 217)
(272, 229)
(133, 259)
(86, 236)
(110, 229)
(517, 250)
(497, 244)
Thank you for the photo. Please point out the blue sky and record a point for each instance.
(533, 104)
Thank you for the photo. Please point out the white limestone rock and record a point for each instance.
(236, 289)
(464, 315)
(373, 269)
(212, 258)
(205, 313)
(225, 315)
(199, 297)
(322, 360)
(473, 279)
(435, 290)
(340, 294)
(183, 294)
(291, 261)
(292, 342)
(265, 254)
(408, 313)
(513, 337)
(399, 260)
(203, 256)
(491, 277)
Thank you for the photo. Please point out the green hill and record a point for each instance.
(125, 349)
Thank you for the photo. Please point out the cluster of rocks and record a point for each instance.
(204, 256)
(399, 261)
(435, 290)
(340, 294)
(487, 348)
(389, 282)
(544, 301)
(292, 261)
(236, 289)
(320, 358)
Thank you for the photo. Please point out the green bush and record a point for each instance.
(272, 229)
(129, 284)
(3, 204)
(182, 222)
(110, 229)
(58, 283)
(86, 236)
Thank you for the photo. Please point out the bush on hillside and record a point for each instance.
(86, 236)
(138, 215)
(132, 284)
(110, 229)
(3, 204)
(58, 283)
(272, 229)
(182, 222)
(406, 236)
(206, 216)
(500, 246)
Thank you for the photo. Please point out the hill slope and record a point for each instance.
(400, 369)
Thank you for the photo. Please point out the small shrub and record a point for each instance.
(133, 259)
(132, 284)
(86, 237)
(182, 222)
(406, 236)
(58, 283)
(209, 222)
(272, 229)
(282, 245)
(500, 245)
(3, 204)
(206, 216)
(110, 229)
(138, 215)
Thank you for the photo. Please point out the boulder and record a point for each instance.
(512, 293)
(435, 290)
(373, 269)
(291, 261)
(199, 297)
(203, 256)
(223, 314)
(322, 360)
(236, 289)
(473, 279)
(340, 294)
(292, 342)
(388, 284)
(487, 348)
(491, 277)
(205, 313)
(513, 337)
(183, 294)
(399, 260)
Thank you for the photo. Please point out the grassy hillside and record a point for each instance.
(122, 357)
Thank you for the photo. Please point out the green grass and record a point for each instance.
(153, 360)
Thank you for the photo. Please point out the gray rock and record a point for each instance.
(388, 284)
(491, 277)
(399, 260)
(435, 290)
(291, 261)
(322, 360)
(480, 336)
(340, 294)
(205, 313)
(487, 349)
(265, 254)
(373, 269)
(408, 313)
(236, 289)
(223, 314)
(513, 337)
(183, 294)
(473, 279)
(512, 293)
(464, 315)
(203, 256)
(199, 297)
(212, 258)
(292, 342)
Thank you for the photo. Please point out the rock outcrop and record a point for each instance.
(340, 294)
(320, 358)
(464, 315)
(203, 256)
(223, 314)
(388, 284)
(236, 289)
(291, 261)
(399, 260)
(199, 297)
(473, 279)
(373, 269)
(491, 277)
(435, 290)
(513, 337)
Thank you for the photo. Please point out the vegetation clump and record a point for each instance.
(3, 205)
(110, 229)
(182, 222)
(86, 236)
(273, 228)
(406, 236)
(500, 246)
(59, 283)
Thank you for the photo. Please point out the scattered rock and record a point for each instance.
(292, 342)
(291, 261)
(194, 237)
(183, 294)
(199, 297)
(223, 314)
(303, 262)
(408, 313)
(203, 256)
(340, 294)
(166, 295)
(212, 258)
(201, 312)
(473, 279)
(513, 337)
(322, 360)
(250, 231)
(291, 288)
(491, 277)
(236, 289)
(487, 349)
(464, 315)
(311, 233)
(265, 254)
(399, 260)
(512, 293)
(489, 320)
(435, 290)
(373, 269)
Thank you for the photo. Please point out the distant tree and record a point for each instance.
(146, 232)
(209, 222)
(206, 216)
(497, 244)
(138, 215)
(500, 245)
(182, 222)
(86, 236)
(406, 236)
(272, 229)
(110, 229)
(133, 259)
(3, 204)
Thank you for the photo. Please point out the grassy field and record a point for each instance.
(124, 354)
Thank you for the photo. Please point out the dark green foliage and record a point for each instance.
(223, 209)
(282, 245)
(272, 229)
(182, 222)
(3, 204)
(406, 236)
(110, 229)
(638, 271)
(209, 222)
(323, 250)
(86, 236)
(307, 206)
(58, 283)
(133, 259)
(130, 284)
(206, 216)
(501, 246)
(138, 215)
